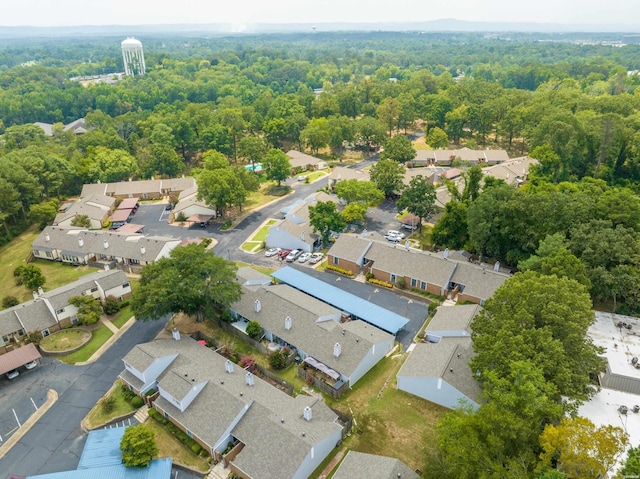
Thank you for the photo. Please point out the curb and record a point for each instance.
(52, 397)
(125, 327)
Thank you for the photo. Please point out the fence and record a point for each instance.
(345, 420)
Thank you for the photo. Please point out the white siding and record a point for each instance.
(320, 451)
(191, 395)
(436, 390)
(166, 249)
(118, 291)
(375, 354)
(156, 368)
(283, 239)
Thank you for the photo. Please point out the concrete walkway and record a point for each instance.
(334, 462)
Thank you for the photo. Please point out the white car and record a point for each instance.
(304, 257)
(409, 227)
(272, 251)
(31, 365)
(396, 233)
(315, 258)
(392, 238)
(12, 374)
(291, 257)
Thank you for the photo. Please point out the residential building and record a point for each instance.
(255, 428)
(302, 162)
(100, 248)
(50, 311)
(351, 305)
(316, 332)
(295, 231)
(142, 189)
(422, 271)
(189, 205)
(96, 208)
(446, 157)
(102, 458)
(341, 173)
(78, 127)
(358, 465)
(438, 369)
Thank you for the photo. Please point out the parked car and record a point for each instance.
(12, 374)
(168, 207)
(31, 365)
(392, 238)
(272, 251)
(397, 233)
(304, 257)
(409, 227)
(301, 178)
(315, 257)
(293, 255)
(284, 253)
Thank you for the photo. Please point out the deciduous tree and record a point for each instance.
(325, 218)
(277, 165)
(419, 198)
(387, 176)
(138, 446)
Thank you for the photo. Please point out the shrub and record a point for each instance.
(433, 306)
(127, 393)
(124, 304)
(196, 448)
(108, 404)
(9, 301)
(111, 305)
(138, 446)
(137, 402)
(379, 282)
(337, 269)
(181, 217)
(150, 392)
(400, 283)
(277, 360)
(248, 363)
(254, 329)
(369, 276)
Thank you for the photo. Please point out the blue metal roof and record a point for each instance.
(350, 303)
(102, 448)
(158, 469)
(101, 459)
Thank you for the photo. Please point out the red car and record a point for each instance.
(283, 254)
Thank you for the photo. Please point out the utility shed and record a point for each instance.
(350, 303)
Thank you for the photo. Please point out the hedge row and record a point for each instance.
(386, 284)
(178, 433)
(337, 269)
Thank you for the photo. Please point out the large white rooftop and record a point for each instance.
(621, 344)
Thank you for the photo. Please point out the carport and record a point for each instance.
(199, 218)
(120, 217)
(18, 357)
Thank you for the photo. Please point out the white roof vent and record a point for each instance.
(143, 250)
(287, 323)
(40, 291)
(496, 267)
(80, 242)
(307, 413)
(337, 350)
(228, 366)
(105, 243)
(249, 379)
(257, 306)
(446, 253)
(47, 237)
(35, 294)
(175, 334)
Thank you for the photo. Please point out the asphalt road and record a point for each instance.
(55, 442)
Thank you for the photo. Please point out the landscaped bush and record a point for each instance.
(178, 433)
(379, 282)
(432, 307)
(369, 276)
(150, 392)
(337, 269)
(277, 360)
(254, 329)
(108, 404)
(400, 283)
(248, 363)
(181, 217)
(9, 301)
(196, 448)
(127, 393)
(137, 402)
(111, 305)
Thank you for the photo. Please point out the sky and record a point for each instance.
(242, 12)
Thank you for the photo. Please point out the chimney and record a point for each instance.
(176, 334)
(257, 306)
(446, 253)
(47, 237)
(105, 244)
(143, 250)
(228, 366)
(40, 291)
(80, 242)
(35, 294)
(248, 379)
(496, 267)
(337, 349)
(307, 413)
(287, 323)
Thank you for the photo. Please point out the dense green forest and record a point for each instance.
(209, 105)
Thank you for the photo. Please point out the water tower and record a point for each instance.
(133, 57)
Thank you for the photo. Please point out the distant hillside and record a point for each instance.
(442, 25)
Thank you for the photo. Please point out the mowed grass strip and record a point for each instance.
(122, 317)
(100, 336)
(15, 254)
(97, 417)
(169, 446)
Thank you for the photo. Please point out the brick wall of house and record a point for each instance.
(464, 297)
(203, 444)
(344, 264)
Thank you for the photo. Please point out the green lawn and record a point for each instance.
(169, 446)
(122, 317)
(65, 340)
(100, 336)
(261, 235)
(97, 417)
(251, 246)
(15, 254)
(262, 269)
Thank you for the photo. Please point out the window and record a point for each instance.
(125, 285)
(48, 254)
(5, 339)
(393, 278)
(189, 433)
(414, 283)
(423, 285)
(60, 311)
(336, 260)
(21, 332)
(45, 333)
(93, 290)
(166, 416)
(74, 319)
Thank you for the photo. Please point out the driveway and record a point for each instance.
(55, 442)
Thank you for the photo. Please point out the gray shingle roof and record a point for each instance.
(340, 173)
(80, 208)
(300, 160)
(349, 247)
(107, 280)
(480, 283)
(449, 318)
(358, 465)
(272, 414)
(125, 188)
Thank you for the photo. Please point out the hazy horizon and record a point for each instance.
(239, 15)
